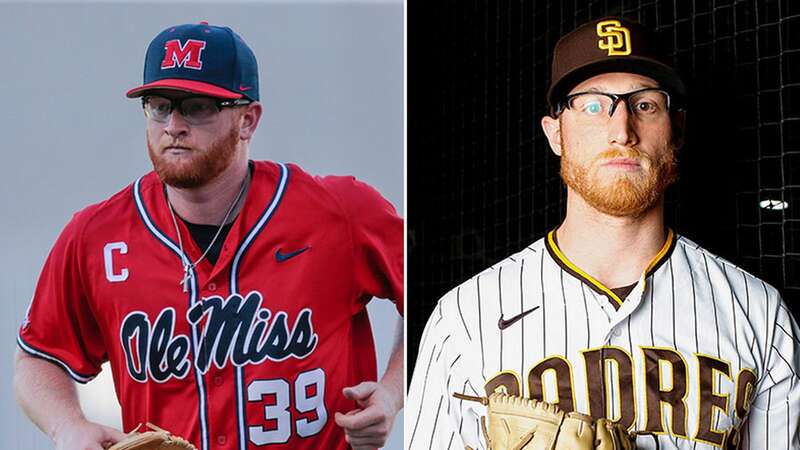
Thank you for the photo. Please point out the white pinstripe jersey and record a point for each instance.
(698, 352)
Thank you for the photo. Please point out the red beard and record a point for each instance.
(620, 195)
(200, 167)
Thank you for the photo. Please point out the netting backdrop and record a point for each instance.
(483, 184)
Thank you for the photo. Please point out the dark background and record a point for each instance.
(483, 184)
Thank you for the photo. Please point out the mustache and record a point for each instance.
(628, 152)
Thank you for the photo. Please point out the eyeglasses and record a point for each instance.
(645, 104)
(195, 110)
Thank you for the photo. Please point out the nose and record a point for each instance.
(621, 129)
(176, 125)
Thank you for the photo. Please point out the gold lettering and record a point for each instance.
(657, 395)
(710, 399)
(617, 39)
(597, 373)
(562, 370)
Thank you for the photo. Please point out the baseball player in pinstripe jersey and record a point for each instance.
(612, 314)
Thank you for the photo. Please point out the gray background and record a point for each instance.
(332, 89)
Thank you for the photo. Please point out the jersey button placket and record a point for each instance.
(211, 287)
(222, 440)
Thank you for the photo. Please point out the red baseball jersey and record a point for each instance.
(258, 348)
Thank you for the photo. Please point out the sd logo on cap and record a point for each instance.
(610, 44)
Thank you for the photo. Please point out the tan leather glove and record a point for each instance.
(157, 439)
(516, 423)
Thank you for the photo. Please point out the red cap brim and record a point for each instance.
(195, 87)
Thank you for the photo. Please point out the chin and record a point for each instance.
(622, 197)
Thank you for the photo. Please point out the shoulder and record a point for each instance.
(346, 194)
(701, 259)
(727, 281)
(355, 196)
(346, 190)
(483, 286)
(457, 316)
(530, 255)
(91, 226)
(108, 213)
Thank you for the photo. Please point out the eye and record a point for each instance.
(159, 106)
(198, 107)
(593, 107)
(646, 107)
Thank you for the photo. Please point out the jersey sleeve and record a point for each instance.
(434, 418)
(377, 235)
(774, 416)
(60, 326)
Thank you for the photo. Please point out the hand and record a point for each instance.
(367, 427)
(85, 435)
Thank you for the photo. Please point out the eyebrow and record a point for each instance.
(633, 87)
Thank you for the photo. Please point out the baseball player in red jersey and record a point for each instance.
(612, 314)
(228, 295)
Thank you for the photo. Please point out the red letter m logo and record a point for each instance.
(186, 55)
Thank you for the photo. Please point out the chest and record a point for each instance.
(683, 360)
(264, 299)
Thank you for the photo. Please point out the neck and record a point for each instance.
(207, 204)
(613, 250)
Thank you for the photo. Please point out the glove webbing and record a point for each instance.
(528, 437)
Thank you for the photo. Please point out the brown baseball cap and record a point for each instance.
(610, 44)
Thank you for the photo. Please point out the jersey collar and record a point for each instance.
(551, 244)
(267, 188)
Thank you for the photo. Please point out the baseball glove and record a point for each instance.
(157, 439)
(517, 423)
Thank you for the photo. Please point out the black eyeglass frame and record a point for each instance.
(563, 105)
(178, 102)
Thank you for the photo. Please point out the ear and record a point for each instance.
(678, 119)
(249, 120)
(552, 129)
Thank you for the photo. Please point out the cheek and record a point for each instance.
(658, 143)
(660, 135)
(583, 145)
(153, 132)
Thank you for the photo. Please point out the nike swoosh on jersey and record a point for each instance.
(281, 257)
(503, 324)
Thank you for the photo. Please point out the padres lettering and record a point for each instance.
(666, 380)
(617, 38)
(235, 330)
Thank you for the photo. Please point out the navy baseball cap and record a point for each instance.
(201, 59)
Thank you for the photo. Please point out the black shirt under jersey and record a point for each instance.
(203, 234)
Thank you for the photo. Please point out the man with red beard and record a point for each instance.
(228, 295)
(612, 314)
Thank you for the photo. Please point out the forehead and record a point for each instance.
(615, 82)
